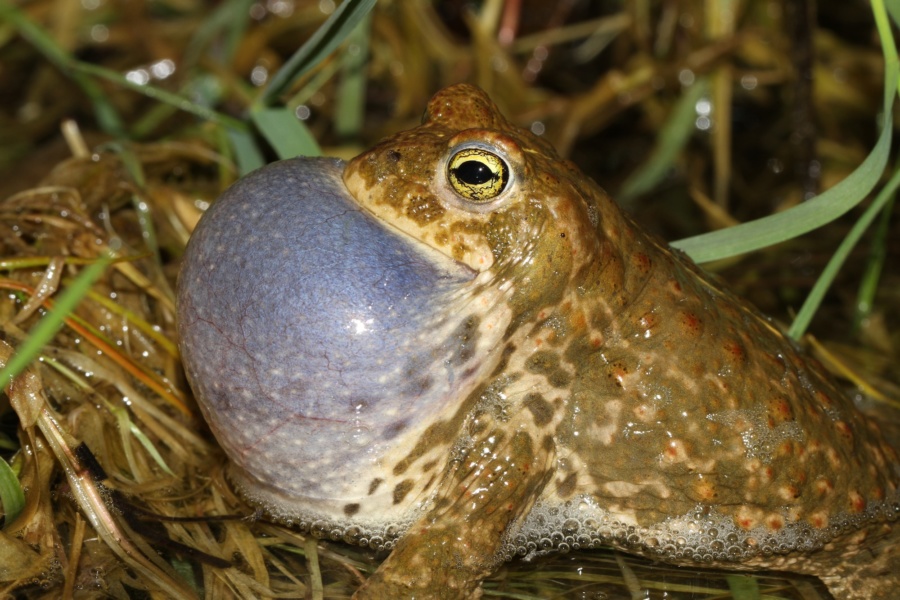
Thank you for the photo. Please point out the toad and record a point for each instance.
(458, 348)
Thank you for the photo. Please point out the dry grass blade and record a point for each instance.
(26, 394)
(152, 380)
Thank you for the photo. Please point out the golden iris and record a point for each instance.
(477, 175)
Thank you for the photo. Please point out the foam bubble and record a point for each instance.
(759, 438)
(701, 535)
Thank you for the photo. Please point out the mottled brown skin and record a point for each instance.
(626, 379)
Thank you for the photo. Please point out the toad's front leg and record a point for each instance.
(455, 544)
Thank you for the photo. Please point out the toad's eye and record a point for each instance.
(477, 175)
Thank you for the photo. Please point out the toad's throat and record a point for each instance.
(345, 342)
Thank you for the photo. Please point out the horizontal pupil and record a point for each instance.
(473, 172)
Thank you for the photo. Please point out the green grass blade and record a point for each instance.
(804, 217)
(246, 153)
(892, 71)
(743, 587)
(351, 100)
(7, 443)
(893, 8)
(877, 256)
(204, 89)
(41, 334)
(12, 498)
(145, 218)
(125, 424)
(288, 136)
(315, 83)
(328, 37)
(811, 305)
(672, 138)
(824, 208)
(179, 102)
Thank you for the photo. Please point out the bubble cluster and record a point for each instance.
(369, 533)
(701, 536)
(760, 439)
(371, 524)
